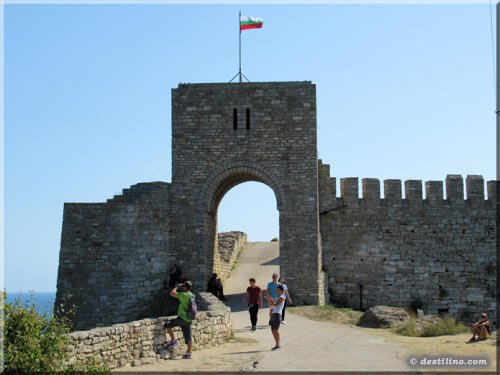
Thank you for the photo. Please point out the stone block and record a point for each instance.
(454, 188)
(475, 188)
(434, 191)
(392, 189)
(413, 190)
(349, 189)
(475, 298)
(371, 190)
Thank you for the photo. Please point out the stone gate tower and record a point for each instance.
(226, 134)
(435, 252)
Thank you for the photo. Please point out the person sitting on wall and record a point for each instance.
(215, 287)
(183, 293)
(175, 276)
(481, 328)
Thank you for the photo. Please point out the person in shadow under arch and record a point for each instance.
(215, 287)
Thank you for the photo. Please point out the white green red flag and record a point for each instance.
(250, 23)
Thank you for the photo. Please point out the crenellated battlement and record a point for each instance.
(434, 192)
(400, 242)
(451, 190)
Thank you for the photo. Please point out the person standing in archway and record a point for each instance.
(254, 300)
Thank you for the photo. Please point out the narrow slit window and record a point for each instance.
(235, 118)
(248, 118)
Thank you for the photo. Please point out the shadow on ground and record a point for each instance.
(247, 328)
(236, 302)
(272, 262)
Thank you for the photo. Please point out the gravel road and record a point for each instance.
(307, 345)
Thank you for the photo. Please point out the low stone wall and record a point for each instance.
(229, 248)
(140, 342)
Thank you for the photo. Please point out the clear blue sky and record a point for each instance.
(404, 91)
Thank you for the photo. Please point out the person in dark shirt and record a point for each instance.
(253, 298)
(215, 287)
(175, 276)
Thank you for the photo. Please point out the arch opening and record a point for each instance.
(244, 187)
(227, 177)
(246, 237)
(249, 207)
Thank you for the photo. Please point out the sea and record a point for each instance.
(43, 301)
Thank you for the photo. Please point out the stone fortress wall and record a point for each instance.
(228, 249)
(436, 252)
(140, 342)
(115, 256)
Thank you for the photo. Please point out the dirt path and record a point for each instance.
(306, 344)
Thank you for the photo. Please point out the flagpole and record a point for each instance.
(497, 109)
(239, 28)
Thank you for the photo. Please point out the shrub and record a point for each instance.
(409, 327)
(446, 326)
(38, 343)
(417, 328)
(275, 239)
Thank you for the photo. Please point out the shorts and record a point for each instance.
(275, 321)
(185, 326)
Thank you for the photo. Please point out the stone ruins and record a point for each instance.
(436, 252)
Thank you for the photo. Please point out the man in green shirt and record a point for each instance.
(183, 293)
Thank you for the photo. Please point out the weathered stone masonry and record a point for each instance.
(441, 252)
(227, 134)
(115, 256)
(141, 342)
(228, 248)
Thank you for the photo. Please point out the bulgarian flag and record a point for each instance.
(250, 23)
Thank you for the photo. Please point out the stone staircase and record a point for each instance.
(140, 191)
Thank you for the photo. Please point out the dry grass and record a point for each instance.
(416, 328)
(328, 313)
(454, 345)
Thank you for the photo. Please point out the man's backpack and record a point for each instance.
(192, 307)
